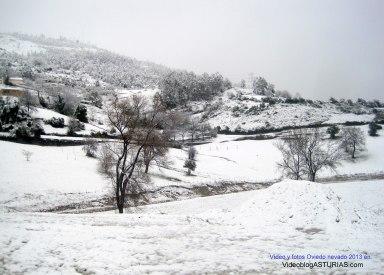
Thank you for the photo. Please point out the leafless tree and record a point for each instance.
(291, 148)
(307, 153)
(194, 128)
(27, 154)
(352, 140)
(135, 121)
(154, 149)
(174, 123)
(29, 101)
(318, 153)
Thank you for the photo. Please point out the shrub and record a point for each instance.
(99, 134)
(332, 131)
(74, 126)
(81, 113)
(373, 127)
(28, 130)
(90, 148)
(56, 122)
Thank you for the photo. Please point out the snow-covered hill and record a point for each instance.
(72, 63)
(243, 111)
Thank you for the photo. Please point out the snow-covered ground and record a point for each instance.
(52, 177)
(14, 45)
(234, 233)
(240, 109)
(61, 175)
(44, 114)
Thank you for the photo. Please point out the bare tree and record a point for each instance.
(352, 140)
(291, 148)
(318, 153)
(174, 123)
(29, 101)
(27, 154)
(134, 121)
(307, 153)
(194, 128)
(154, 149)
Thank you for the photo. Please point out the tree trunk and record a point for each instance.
(121, 208)
(312, 177)
(146, 168)
(120, 197)
(353, 151)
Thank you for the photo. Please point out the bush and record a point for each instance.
(90, 148)
(74, 126)
(28, 130)
(56, 122)
(99, 134)
(81, 113)
(332, 131)
(269, 100)
(373, 127)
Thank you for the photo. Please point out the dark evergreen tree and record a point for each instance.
(333, 130)
(81, 113)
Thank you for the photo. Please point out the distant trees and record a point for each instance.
(262, 87)
(65, 103)
(190, 162)
(94, 97)
(180, 87)
(306, 153)
(352, 140)
(243, 84)
(333, 130)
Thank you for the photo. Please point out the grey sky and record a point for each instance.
(317, 48)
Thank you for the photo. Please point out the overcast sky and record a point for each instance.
(317, 48)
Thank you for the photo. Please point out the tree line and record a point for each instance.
(180, 87)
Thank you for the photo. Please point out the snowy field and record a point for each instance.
(233, 233)
(57, 176)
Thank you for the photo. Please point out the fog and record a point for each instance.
(316, 48)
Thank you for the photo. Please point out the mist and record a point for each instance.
(316, 48)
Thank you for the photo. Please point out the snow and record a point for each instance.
(44, 114)
(15, 45)
(148, 93)
(223, 160)
(54, 176)
(233, 233)
(239, 108)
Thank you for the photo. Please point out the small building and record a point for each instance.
(6, 90)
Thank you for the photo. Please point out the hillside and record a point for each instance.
(61, 61)
(63, 66)
(241, 111)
